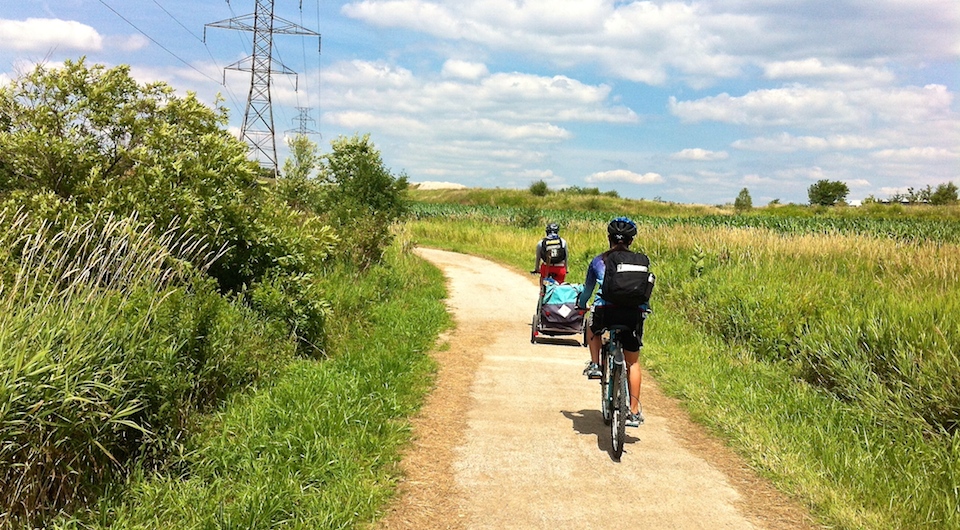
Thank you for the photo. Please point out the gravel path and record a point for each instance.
(512, 436)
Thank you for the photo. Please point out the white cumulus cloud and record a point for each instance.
(45, 34)
(813, 107)
(788, 143)
(464, 69)
(623, 175)
(700, 155)
(814, 69)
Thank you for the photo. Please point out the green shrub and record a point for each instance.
(527, 218)
(364, 200)
(145, 151)
(539, 189)
(298, 302)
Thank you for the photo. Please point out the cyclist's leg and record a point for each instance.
(593, 341)
(593, 334)
(631, 355)
(561, 273)
(634, 377)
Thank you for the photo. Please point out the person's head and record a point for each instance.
(621, 231)
(553, 229)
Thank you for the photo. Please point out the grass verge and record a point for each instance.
(318, 446)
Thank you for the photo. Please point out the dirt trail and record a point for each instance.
(512, 436)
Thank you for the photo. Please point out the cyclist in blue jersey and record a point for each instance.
(620, 233)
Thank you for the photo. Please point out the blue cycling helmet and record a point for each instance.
(621, 230)
(553, 229)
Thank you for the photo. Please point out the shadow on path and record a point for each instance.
(590, 422)
(556, 341)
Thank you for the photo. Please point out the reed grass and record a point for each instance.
(97, 366)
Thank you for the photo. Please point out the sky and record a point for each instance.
(686, 102)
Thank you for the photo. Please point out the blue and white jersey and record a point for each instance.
(594, 278)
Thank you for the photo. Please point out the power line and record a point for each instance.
(155, 41)
(169, 14)
(230, 93)
(319, 70)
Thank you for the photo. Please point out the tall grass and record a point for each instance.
(100, 356)
(317, 448)
(828, 358)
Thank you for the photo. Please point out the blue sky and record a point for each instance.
(682, 101)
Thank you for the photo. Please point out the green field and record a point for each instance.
(821, 347)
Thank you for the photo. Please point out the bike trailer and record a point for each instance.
(557, 312)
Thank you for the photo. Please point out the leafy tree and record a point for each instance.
(364, 199)
(295, 185)
(944, 194)
(743, 201)
(913, 195)
(539, 189)
(827, 193)
(303, 158)
(363, 184)
(93, 139)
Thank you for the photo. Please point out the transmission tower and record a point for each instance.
(257, 129)
(303, 119)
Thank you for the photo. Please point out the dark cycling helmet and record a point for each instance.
(621, 230)
(553, 228)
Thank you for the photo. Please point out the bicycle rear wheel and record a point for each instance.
(618, 424)
(605, 387)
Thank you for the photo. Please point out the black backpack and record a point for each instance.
(627, 280)
(553, 251)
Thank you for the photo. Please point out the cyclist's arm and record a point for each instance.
(588, 285)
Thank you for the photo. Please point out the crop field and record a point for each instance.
(822, 347)
(904, 229)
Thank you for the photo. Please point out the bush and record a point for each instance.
(97, 140)
(539, 189)
(298, 303)
(364, 200)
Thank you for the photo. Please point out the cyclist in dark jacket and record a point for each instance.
(620, 233)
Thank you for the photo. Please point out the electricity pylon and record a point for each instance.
(303, 119)
(257, 129)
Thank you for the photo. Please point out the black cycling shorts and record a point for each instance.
(606, 316)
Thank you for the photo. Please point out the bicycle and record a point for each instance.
(614, 385)
(614, 388)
